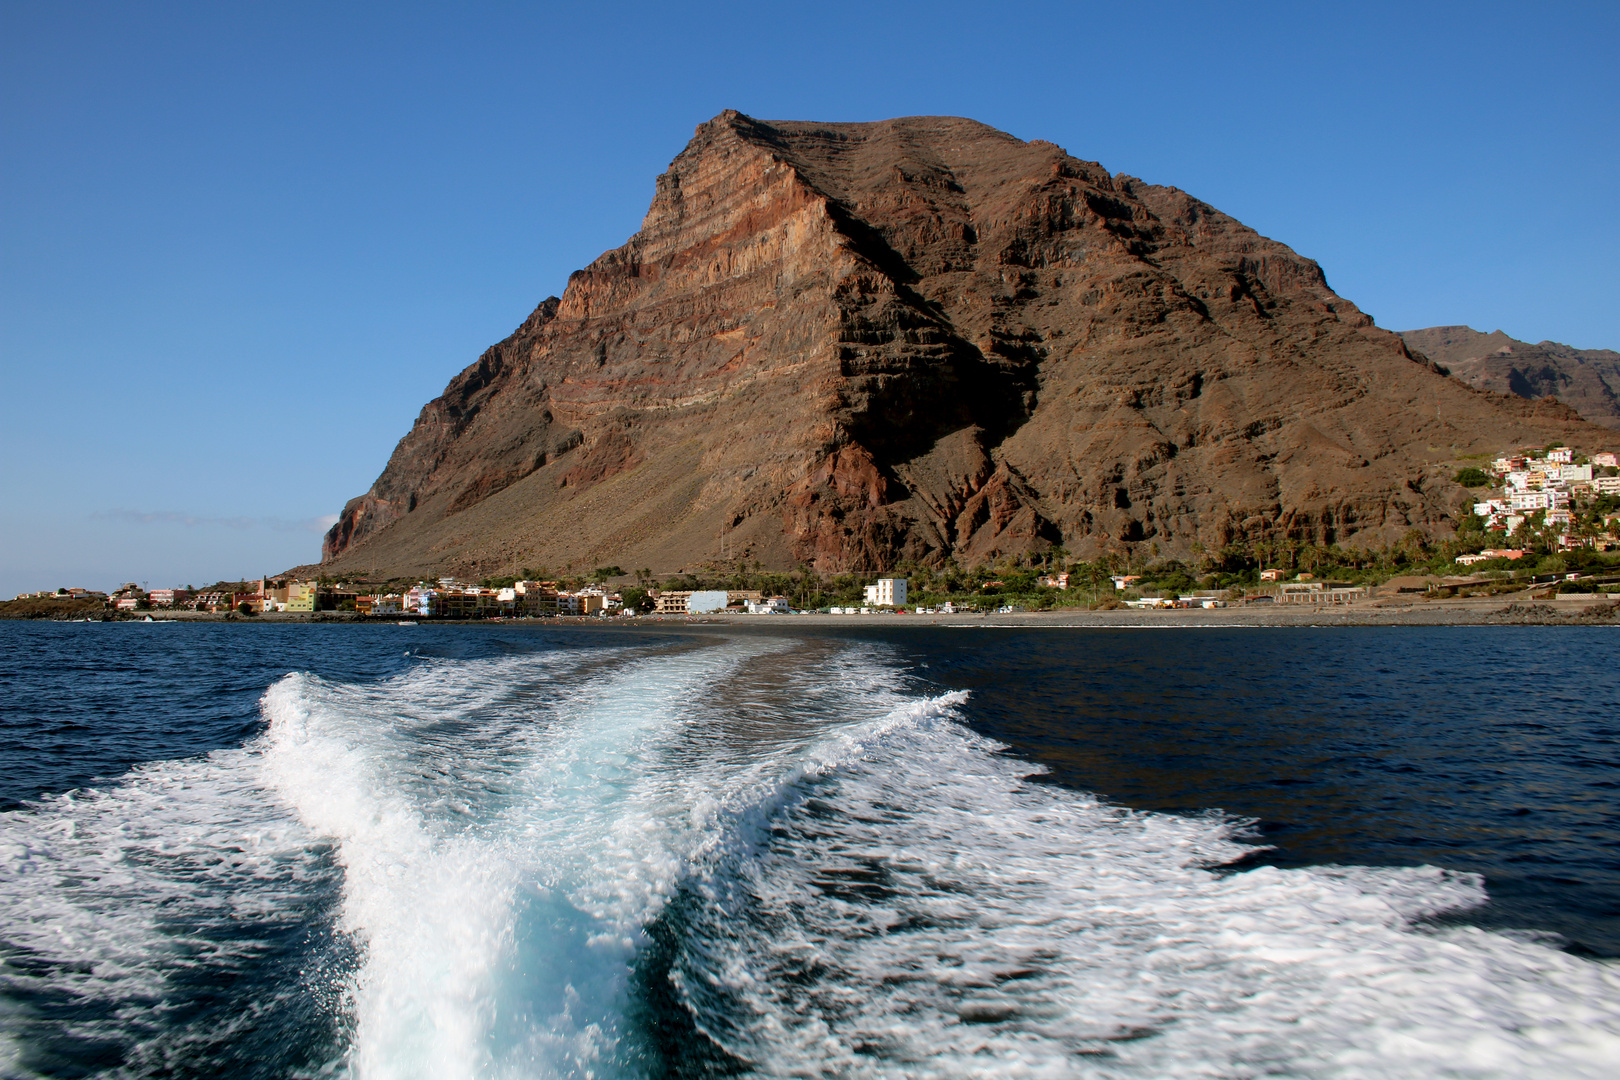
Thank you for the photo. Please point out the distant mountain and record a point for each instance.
(1587, 380)
(852, 345)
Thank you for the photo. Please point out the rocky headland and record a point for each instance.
(851, 345)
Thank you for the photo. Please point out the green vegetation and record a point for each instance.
(1472, 477)
(1229, 570)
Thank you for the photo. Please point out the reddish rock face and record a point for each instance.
(856, 344)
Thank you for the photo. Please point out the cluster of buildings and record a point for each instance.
(445, 598)
(1549, 483)
(448, 598)
(268, 595)
(1197, 600)
(707, 601)
(453, 599)
(888, 593)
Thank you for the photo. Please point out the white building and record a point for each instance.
(1606, 459)
(1538, 500)
(1561, 455)
(888, 592)
(1606, 485)
(706, 600)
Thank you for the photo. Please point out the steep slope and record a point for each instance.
(1587, 380)
(855, 344)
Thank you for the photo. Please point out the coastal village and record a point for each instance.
(451, 599)
(1544, 518)
(1542, 495)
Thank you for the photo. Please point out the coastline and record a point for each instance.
(1567, 610)
(1574, 610)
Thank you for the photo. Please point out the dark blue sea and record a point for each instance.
(880, 851)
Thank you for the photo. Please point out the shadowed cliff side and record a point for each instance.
(854, 344)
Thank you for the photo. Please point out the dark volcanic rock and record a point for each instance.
(856, 344)
(1587, 380)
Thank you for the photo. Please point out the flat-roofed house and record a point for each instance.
(887, 592)
(706, 600)
(673, 601)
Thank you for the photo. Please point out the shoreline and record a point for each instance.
(1570, 610)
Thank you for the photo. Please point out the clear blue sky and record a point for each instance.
(241, 245)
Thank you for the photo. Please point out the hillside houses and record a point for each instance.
(1549, 492)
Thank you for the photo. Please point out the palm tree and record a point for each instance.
(1096, 573)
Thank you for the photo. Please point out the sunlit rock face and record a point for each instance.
(850, 345)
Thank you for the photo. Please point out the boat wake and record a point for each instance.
(722, 858)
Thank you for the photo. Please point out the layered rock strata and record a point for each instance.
(852, 345)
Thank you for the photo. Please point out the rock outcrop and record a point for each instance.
(851, 345)
(1587, 380)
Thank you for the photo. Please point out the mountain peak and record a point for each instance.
(856, 344)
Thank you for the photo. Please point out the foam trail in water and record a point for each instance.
(118, 900)
(500, 897)
(862, 887)
(918, 907)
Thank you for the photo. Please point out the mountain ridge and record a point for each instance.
(1588, 380)
(852, 345)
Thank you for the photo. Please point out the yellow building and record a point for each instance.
(301, 596)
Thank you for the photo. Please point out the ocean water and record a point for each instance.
(880, 851)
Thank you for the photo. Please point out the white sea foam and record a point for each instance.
(110, 896)
(868, 889)
(118, 902)
(497, 941)
(878, 892)
(923, 909)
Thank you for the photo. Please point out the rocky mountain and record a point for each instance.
(850, 345)
(1588, 380)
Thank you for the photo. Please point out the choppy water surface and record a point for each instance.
(510, 852)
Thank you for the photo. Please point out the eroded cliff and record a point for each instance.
(856, 344)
